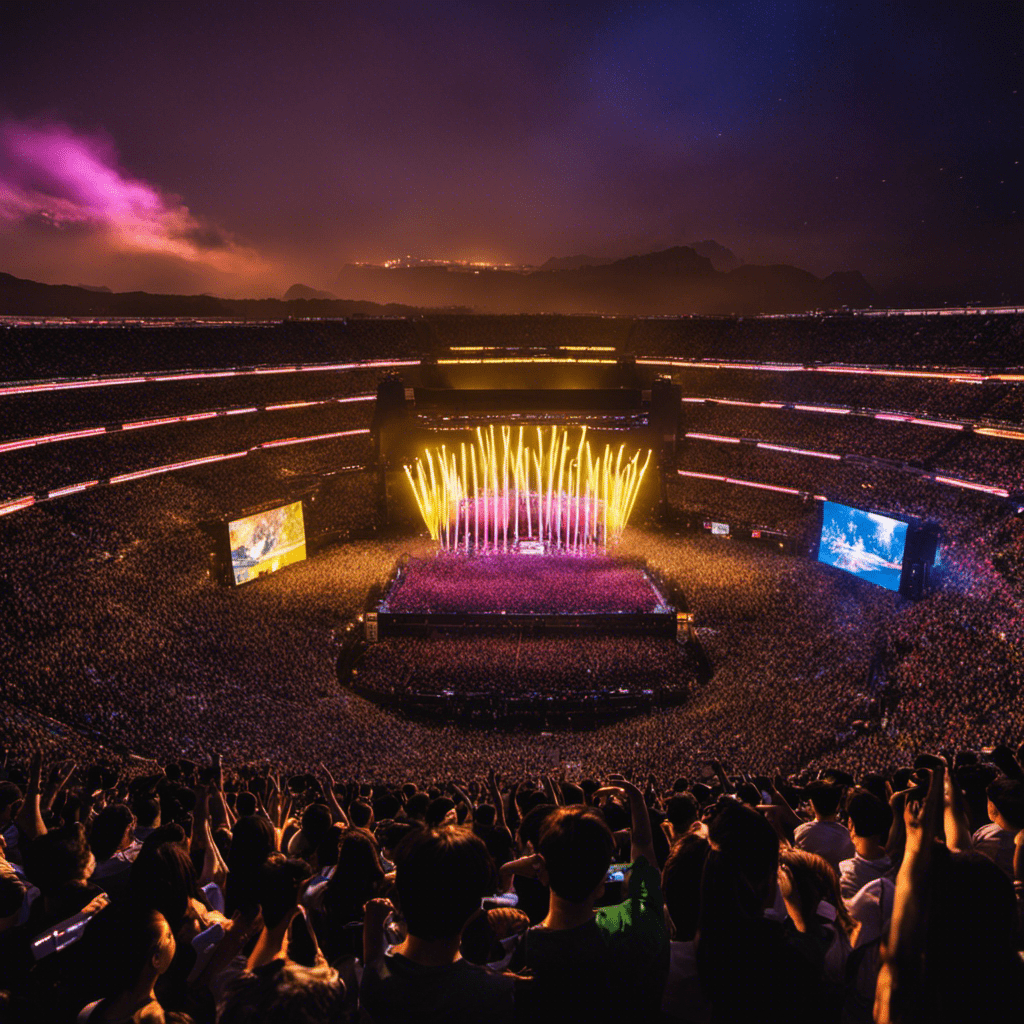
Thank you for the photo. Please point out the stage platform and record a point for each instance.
(529, 593)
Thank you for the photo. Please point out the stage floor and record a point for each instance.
(517, 584)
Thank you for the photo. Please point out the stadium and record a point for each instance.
(208, 554)
(120, 476)
(511, 516)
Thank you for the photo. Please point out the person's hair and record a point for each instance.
(682, 811)
(745, 853)
(814, 881)
(386, 805)
(356, 879)
(252, 840)
(108, 830)
(680, 882)
(163, 878)
(1008, 797)
(970, 941)
(147, 809)
(416, 806)
(57, 858)
(327, 849)
(438, 810)
(740, 876)
(749, 794)
(282, 992)
(485, 815)
(824, 797)
(9, 794)
(869, 815)
(530, 826)
(245, 804)
(316, 823)
(360, 814)
(281, 881)
(12, 895)
(441, 876)
(577, 846)
(137, 935)
(390, 834)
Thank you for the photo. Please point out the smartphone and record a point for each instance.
(617, 873)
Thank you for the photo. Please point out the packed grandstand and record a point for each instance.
(128, 663)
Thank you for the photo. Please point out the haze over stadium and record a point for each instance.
(511, 512)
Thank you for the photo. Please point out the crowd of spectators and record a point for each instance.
(34, 470)
(208, 890)
(500, 667)
(514, 583)
(115, 630)
(938, 340)
(31, 353)
(938, 398)
(46, 412)
(121, 652)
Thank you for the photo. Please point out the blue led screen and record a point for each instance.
(865, 544)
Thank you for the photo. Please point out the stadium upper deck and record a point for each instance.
(933, 393)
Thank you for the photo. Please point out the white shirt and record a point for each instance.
(997, 844)
(828, 839)
(857, 871)
(872, 908)
(683, 999)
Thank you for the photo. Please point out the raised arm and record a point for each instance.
(525, 867)
(339, 816)
(727, 786)
(955, 824)
(375, 913)
(641, 834)
(499, 805)
(30, 815)
(780, 814)
(898, 988)
(56, 783)
(549, 788)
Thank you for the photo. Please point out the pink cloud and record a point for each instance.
(52, 175)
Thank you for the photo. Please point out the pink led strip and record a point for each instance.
(999, 492)
(838, 410)
(965, 376)
(971, 486)
(765, 444)
(741, 483)
(799, 451)
(16, 505)
(152, 378)
(193, 417)
(141, 474)
(170, 468)
(31, 442)
(313, 437)
(713, 437)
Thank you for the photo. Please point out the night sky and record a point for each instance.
(240, 147)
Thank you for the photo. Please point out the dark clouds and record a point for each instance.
(300, 136)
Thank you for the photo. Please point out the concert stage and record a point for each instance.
(527, 592)
(541, 638)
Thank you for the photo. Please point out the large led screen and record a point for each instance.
(863, 543)
(266, 541)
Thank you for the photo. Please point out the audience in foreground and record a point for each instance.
(892, 897)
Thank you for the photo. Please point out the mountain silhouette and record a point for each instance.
(19, 296)
(673, 281)
(303, 291)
